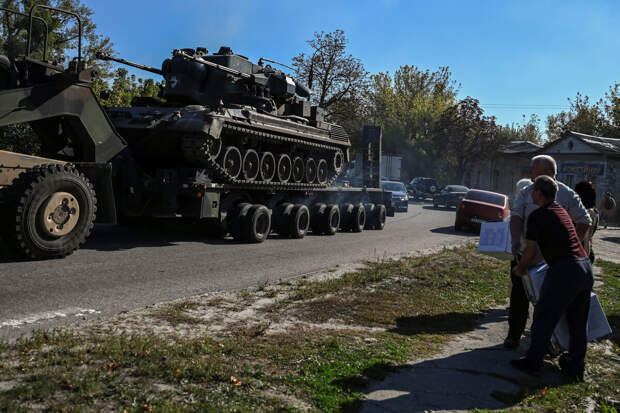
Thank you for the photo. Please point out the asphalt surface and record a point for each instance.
(126, 268)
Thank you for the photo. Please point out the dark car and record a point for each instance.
(422, 187)
(481, 206)
(451, 195)
(400, 200)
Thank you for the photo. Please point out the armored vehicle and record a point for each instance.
(230, 143)
(243, 123)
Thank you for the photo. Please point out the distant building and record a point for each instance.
(503, 172)
(580, 157)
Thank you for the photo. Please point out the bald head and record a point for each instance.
(543, 165)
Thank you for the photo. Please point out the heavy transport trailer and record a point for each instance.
(87, 173)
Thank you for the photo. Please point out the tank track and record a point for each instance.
(197, 150)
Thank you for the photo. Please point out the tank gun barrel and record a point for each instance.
(197, 59)
(103, 56)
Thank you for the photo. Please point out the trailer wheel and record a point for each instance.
(50, 211)
(359, 218)
(317, 213)
(346, 216)
(370, 216)
(257, 224)
(299, 221)
(236, 220)
(331, 220)
(379, 217)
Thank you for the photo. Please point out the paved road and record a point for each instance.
(125, 268)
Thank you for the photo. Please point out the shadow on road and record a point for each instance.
(438, 208)
(450, 230)
(612, 239)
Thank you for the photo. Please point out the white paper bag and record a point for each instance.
(495, 240)
(598, 326)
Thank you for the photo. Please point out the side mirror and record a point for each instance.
(104, 94)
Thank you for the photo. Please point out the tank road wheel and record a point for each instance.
(317, 211)
(214, 147)
(310, 170)
(330, 220)
(251, 163)
(298, 169)
(50, 212)
(299, 221)
(232, 161)
(338, 161)
(321, 172)
(267, 166)
(285, 168)
(256, 225)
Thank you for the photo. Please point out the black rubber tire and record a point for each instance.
(299, 221)
(379, 218)
(257, 224)
(354, 217)
(25, 202)
(331, 220)
(370, 215)
(236, 220)
(317, 212)
(359, 221)
(280, 217)
(458, 227)
(346, 216)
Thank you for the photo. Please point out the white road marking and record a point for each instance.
(48, 315)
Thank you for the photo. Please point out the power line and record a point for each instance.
(523, 106)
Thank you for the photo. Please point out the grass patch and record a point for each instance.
(178, 313)
(392, 312)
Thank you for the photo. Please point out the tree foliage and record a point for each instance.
(601, 118)
(62, 35)
(332, 74)
(465, 137)
(528, 132)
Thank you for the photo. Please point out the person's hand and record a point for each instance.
(516, 248)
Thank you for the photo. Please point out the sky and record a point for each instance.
(516, 57)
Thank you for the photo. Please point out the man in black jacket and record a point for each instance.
(567, 286)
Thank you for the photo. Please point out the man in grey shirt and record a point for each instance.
(523, 207)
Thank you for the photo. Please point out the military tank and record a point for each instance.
(242, 123)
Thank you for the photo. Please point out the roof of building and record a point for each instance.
(600, 143)
(520, 147)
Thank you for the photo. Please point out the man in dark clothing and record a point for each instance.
(567, 286)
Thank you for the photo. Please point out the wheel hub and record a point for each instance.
(60, 214)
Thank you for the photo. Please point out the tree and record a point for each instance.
(407, 106)
(465, 136)
(329, 72)
(529, 132)
(582, 117)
